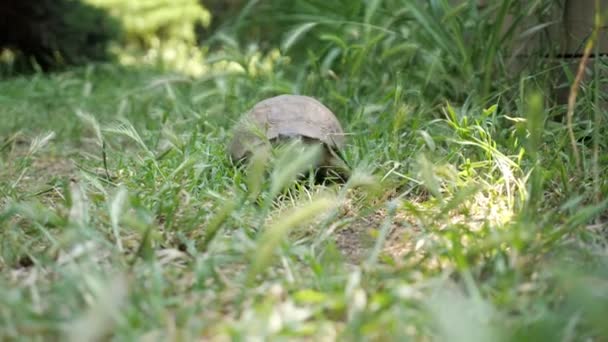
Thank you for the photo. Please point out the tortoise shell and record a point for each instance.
(286, 117)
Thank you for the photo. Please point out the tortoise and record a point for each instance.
(288, 117)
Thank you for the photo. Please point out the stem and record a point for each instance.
(575, 86)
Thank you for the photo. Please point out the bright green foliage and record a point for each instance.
(159, 32)
(148, 22)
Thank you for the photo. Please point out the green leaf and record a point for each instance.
(293, 36)
(278, 230)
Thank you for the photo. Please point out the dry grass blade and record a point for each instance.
(126, 129)
(40, 142)
(576, 85)
(90, 121)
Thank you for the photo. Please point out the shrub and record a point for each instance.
(146, 23)
(160, 32)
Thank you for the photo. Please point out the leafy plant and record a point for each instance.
(148, 23)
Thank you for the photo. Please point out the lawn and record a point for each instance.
(467, 216)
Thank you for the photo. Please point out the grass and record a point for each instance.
(122, 217)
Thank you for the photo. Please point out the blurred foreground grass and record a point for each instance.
(121, 216)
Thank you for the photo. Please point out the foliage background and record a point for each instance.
(69, 32)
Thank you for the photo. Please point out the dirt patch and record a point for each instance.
(357, 239)
(34, 174)
(46, 167)
(353, 242)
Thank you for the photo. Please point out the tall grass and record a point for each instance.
(464, 217)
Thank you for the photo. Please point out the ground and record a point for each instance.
(122, 216)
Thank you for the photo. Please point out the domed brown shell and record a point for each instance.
(286, 116)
